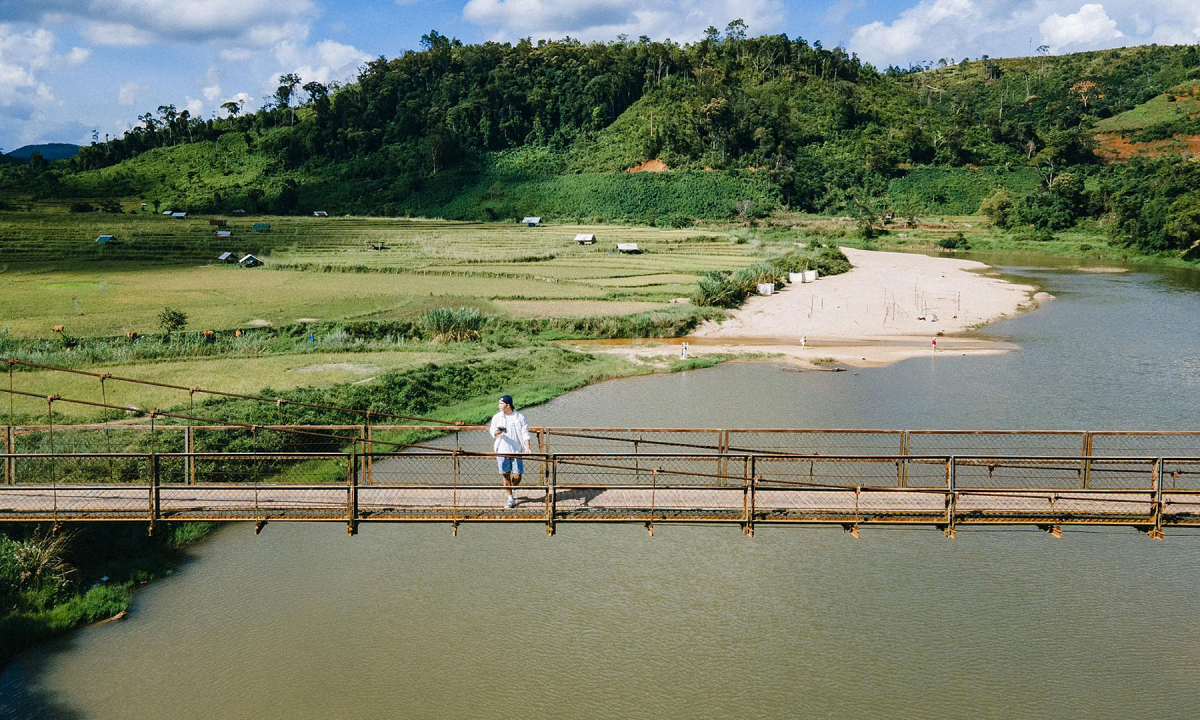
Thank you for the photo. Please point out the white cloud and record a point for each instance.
(237, 54)
(681, 20)
(140, 22)
(1090, 27)
(913, 33)
(325, 61)
(78, 56)
(193, 106)
(22, 55)
(128, 93)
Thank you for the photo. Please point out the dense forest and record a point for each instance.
(745, 125)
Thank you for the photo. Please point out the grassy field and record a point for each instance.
(325, 268)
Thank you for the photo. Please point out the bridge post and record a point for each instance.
(1156, 504)
(189, 447)
(551, 466)
(904, 459)
(951, 498)
(154, 493)
(8, 461)
(352, 495)
(748, 484)
(1087, 463)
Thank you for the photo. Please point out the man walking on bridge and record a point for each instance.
(511, 434)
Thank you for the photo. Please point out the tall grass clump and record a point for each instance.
(718, 288)
(453, 324)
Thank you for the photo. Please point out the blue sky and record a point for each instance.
(68, 67)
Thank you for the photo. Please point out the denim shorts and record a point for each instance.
(506, 465)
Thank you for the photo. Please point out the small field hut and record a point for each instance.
(320, 213)
(217, 223)
(629, 248)
(223, 233)
(532, 221)
(227, 257)
(249, 261)
(262, 227)
(179, 215)
(106, 238)
(586, 238)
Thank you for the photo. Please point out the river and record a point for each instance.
(503, 622)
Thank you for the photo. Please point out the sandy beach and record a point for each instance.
(888, 307)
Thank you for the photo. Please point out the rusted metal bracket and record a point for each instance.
(454, 528)
(650, 528)
(259, 525)
(1053, 530)
(851, 528)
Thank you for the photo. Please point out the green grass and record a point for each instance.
(1156, 111)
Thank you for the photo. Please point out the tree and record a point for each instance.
(232, 107)
(287, 88)
(168, 114)
(316, 91)
(170, 320)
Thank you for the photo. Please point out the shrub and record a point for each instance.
(957, 241)
(170, 320)
(453, 325)
(82, 207)
(998, 207)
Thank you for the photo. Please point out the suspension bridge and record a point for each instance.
(151, 467)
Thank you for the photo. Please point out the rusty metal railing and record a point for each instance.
(1150, 493)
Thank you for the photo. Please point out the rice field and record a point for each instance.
(240, 375)
(52, 272)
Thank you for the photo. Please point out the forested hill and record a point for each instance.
(744, 125)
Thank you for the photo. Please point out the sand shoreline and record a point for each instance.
(889, 307)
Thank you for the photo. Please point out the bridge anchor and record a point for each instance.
(1053, 530)
(258, 526)
(851, 528)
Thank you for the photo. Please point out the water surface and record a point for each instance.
(503, 622)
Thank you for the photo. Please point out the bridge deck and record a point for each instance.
(747, 489)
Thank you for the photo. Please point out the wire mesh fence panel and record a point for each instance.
(689, 441)
(72, 469)
(1146, 444)
(98, 439)
(1120, 474)
(393, 438)
(1012, 472)
(214, 469)
(267, 501)
(995, 442)
(1182, 474)
(848, 471)
(308, 439)
(1061, 506)
(619, 469)
(816, 442)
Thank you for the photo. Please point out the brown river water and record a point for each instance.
(605, 621)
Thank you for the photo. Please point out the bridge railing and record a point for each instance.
(747, 489)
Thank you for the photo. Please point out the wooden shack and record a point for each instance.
(586, 238)
(531, 221)
(629, 248)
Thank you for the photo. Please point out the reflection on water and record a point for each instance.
(605, 621)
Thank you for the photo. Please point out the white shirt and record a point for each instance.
(515, 435)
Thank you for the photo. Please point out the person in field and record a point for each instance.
(510, 433)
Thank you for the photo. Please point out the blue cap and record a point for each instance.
(507, 400)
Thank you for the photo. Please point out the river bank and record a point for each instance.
(889, 307)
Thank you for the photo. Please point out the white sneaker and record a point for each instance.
(511, 502)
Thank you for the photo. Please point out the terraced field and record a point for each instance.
(55, 273)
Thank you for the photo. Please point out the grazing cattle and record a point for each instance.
(57, 328)
(208, 335)
(132, 335)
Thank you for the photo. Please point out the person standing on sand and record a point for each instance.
(510, 435)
